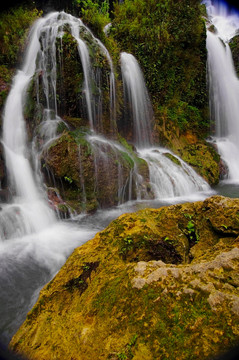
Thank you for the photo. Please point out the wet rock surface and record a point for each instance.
(125, 295)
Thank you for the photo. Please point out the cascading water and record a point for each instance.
(33, 244)
(135, 90)
(224, 85)
(52, 30)
(130, 184)
(23, 185)
(169, 175)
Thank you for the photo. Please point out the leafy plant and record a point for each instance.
(122, 356)
(68, 179)
(14, 25)
(168, 39)
(191, 232)
(127, 244)
(95, 14)
(127, 353)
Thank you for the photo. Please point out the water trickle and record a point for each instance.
(52, 30)
(129, 181)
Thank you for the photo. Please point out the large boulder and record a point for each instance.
(90, 174)
(159, 283)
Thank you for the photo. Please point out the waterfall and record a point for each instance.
(53, 29)
(34, 244)
(136, 91)
(169, 175)
(23, 186)
(85, 61)
(22, 162)
(224, 85)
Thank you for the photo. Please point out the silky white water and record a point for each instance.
(167, 178)
(33, 243)
(22, 183)
(224, 86)
(136, 91)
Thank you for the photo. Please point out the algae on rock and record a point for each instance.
(121, 296)
(79, 168)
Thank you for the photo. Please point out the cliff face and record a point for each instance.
(174, 67)
(169, 40)
(154, 284)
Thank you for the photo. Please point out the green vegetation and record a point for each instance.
(143, 309)
(94, 13)
(185, 115)
(14, 26)
(68, 179)
(173, 159)
(127, 353)
(234, 45)
(168, 39)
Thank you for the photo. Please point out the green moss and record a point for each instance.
(127, 352)
(5, 80)
(69, 79)
(172, 158)
(234, 45)
(95, 15)
(75, 122)
(14, 26)
(107, 297)
(127, 159)
(175, 65)
(145, 310)
(61, 127)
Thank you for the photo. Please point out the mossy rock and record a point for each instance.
(234, 45)
(191, 147)
(75, 122)
(69, 78)
(81, 172)
(173, 158)
(108, 302)
(62, 166)
(6, 75)
(204, 159)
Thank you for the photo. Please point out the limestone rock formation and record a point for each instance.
(158, 283)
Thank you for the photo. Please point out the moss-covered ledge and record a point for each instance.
(191, 146)
(154, 284)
